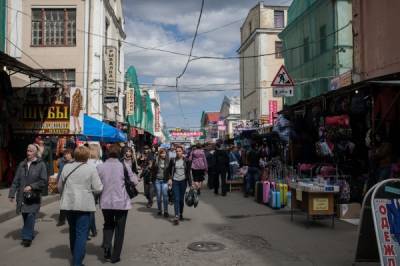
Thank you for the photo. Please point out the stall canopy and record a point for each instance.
(99, 131)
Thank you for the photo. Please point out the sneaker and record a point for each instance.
(159, 213)
(113, 261)
(176, 221)
(166, 215)
(181, 217)
(26, 243)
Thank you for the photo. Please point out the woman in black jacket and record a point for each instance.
(179, 178)
(30, 180)
(160, 176)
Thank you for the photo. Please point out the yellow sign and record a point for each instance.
(320, 204)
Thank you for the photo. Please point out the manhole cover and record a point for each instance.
(206, 246)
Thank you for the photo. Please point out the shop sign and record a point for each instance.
(157, 120)
(187, 134)
(273, 110)
(320, 204)
(387, 213)
(110, 66)
(130, 102)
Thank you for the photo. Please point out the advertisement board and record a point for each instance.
(77, 103)
(110, 82)
(130, 102)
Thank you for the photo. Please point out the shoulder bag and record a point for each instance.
(66, 178)
(129, 185)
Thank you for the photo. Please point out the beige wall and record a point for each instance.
(256, 74)
(54, 57)
(376, 44)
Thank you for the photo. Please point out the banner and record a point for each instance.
(77, 104)
(157, 126)
(273, 110)
(110, 66)
(130, 102)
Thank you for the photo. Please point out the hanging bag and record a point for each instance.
(64, 182)
(129, 185)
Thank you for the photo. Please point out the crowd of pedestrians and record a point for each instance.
(85, 180)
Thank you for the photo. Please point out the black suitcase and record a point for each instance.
(259, 192)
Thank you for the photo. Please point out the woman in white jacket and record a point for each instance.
(79, 180)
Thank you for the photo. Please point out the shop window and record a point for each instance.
(279, 19)
(323, 39)
(64, 76)
(53, 27)
(306, 49)
(278, 49)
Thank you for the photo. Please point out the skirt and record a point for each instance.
(198, 175)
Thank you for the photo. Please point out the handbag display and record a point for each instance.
(129, 185)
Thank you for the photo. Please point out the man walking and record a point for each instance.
(222, 168)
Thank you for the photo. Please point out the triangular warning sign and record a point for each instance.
(282, 79)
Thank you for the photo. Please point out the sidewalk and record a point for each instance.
(7, 209)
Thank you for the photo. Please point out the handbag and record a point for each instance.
(31, 197)
(129, 185)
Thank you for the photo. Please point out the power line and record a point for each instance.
(27, 55)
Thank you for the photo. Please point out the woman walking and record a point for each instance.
(180, 177)
(79, 180)
(129, 159)
(199, 166)
(114, 202)
(67, 157)
(30, 179)
(160, 177)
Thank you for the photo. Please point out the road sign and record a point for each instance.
(282, 79)
(283, 91)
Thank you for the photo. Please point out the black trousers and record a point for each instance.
(220, 179)
(114, 226)
(211, 178)
(62, 217)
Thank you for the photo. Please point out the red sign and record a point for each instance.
(273, 110)
(187, 134)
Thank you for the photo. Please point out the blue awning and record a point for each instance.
(96, 130)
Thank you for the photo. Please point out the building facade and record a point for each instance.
(67, 39)
(209, 125)
(230, 114)
(373, 57)
(259, 36)
(318, 45)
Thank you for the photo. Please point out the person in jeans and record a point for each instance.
(253, 172)
(146, 163)
(199, 166)
(79, 180)
(222, 168)
(179, 178)
(67, 158)
(114, 202)
(160, 177)
(31, 178)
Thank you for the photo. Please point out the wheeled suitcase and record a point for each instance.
(285, 192)
(289, 200)
(259, 192)
(278, 200)
(271, 195)
(266, 191)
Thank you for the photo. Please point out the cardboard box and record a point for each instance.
(349, 210)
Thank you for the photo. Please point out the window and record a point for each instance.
(53, 27)
(306, 49)
(323, 39)
(63, 76)
(279, 19)
(278, 49)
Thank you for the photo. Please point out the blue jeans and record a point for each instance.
(162, 192)
(179, 189)
(92, 225)
(29, 225)
(253, 174)
(78, 232)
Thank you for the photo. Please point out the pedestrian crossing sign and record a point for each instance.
(282, 79)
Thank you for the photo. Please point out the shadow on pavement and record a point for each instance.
(16, 234)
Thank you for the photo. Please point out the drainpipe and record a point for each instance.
(86, 53)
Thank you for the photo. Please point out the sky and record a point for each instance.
(170, 25)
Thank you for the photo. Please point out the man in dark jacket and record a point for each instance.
(253, 173)
(30, 179)
(222, 168)
(210, 156)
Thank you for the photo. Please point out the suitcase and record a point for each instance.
(270, 197)
(259, 192)
(278, 200)
(285, 196)
(289, 200)
(266, 189)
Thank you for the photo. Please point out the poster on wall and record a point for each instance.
(77, 104)
(43, 111)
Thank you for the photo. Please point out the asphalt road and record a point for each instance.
(251, 233)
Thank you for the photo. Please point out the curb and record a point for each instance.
(12, 213)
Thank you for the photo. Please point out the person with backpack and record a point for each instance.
(253, 172)
(179, 178)
(222, 168)
(199, 165)
(160, 179)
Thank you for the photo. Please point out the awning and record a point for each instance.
(99, 131)
(18, 67)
